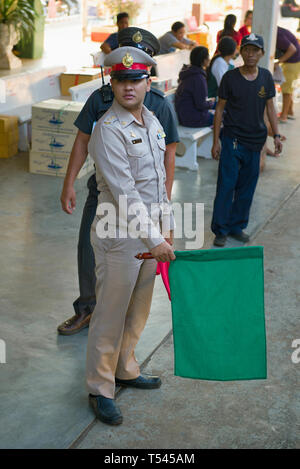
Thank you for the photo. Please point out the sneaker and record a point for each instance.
(240, 236)
(220, 241)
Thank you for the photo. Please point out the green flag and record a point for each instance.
(218, 314)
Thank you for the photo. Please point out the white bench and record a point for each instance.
(23, 88)
(169, 65)
(190, 138)
(83, 91)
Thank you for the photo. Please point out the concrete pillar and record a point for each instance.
(84, 19)
(246, 5)
(202, 11)
(196, 11)
(51, 9)
(265, 17)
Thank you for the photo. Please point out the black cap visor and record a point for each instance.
(143, 46)
(252, 43)
(129, 74)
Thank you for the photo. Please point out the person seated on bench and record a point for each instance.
(175, 39)
(111, 43)
(191, 103)
(220, 64)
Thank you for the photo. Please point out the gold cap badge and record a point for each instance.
(137, 37)
(127, 60)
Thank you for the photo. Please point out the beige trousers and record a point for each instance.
(124, 287)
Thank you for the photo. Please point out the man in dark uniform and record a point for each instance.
(94, 108)
(111, 43)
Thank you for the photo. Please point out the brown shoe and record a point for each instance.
(75, 324)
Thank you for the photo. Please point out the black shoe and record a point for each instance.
(240, 236)
(141, 382)
(220, 240)
(106, 410)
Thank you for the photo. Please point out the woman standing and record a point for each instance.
(229, 24)
(246, 29)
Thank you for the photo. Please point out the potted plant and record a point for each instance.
(16, 22)
(132, 7)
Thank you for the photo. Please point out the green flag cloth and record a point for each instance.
(218, 314)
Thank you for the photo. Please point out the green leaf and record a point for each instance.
(13, 6)
(20, 14)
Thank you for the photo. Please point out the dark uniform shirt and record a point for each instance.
(245, 105)
(154, 100)
(112, 41)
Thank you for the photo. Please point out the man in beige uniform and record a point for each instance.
(128, 148)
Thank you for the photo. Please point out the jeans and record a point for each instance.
(237, 178)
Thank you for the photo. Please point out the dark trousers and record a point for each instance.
(237, 179)
(85, 253)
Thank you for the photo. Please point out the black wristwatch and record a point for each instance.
(276, 135)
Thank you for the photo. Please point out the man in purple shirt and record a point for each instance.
(288, 49)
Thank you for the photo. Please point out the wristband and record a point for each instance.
(276, 135)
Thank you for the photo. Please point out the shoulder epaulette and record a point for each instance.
(157, 92)
(110, 119)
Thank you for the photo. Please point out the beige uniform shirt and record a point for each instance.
(129, 159)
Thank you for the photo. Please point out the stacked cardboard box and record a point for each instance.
(9, 136)
(76, 77)
(162, 85)
(53, 135)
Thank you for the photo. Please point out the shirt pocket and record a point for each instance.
(162, 144)
(136, 150)
(138, 156)
(161, 149)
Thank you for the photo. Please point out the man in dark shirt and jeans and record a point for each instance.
(244, 93)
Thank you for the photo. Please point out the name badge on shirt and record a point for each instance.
(137, 140)
(160, 134)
